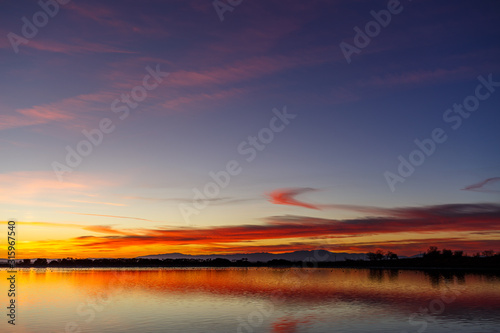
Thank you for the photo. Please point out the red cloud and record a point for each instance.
(422, 220)
(287, 197)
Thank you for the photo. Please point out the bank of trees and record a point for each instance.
(433, 258)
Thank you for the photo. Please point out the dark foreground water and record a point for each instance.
(251, 300)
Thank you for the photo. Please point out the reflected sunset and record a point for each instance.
(283, 166)
(284, 296)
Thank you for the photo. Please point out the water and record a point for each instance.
(251, 300)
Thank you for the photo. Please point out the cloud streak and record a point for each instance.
(287, 197)
(112, 216)
(480, 187)
(420, 220)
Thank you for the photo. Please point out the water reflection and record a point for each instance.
(439, 277)
(255, 300)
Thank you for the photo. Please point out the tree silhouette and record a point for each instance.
(488, 253)
(40, 263)
(391, 255)
(432, 253)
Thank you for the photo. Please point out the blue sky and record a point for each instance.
(353, 119)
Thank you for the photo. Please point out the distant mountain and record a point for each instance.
(320, 255)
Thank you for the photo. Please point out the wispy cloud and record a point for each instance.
(23, 186)
(112, 216)
(242, 70)
(68, 111)
(106, 230)
(418, 77)
(50, 224)
(480, 187)
(99, 202)
(287, 197)
(75, 46)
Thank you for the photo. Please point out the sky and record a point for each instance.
(134, 128)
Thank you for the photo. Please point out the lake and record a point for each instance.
(251, 300)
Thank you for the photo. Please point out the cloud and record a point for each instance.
(421, 220)
(402, 247)
(201, 99)
(242, 70)
(23, 187)
(117, 20)
(112, 216)
(106, 230)
(99, 202)
(479, 187)
(49, 224)
(290, 324)
(74, 46)
(214, 201)
(69, 111)
(418, 77)
(287, 197)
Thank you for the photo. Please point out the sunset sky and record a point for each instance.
(161, 97)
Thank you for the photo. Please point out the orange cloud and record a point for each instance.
(105, 230)
(448, 218)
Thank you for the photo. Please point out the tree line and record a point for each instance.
(433, 258)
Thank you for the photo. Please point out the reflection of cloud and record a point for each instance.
(290, 324)
(479, 187)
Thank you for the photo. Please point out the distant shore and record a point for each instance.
(462, 264)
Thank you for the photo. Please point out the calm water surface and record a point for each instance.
(252, 300)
